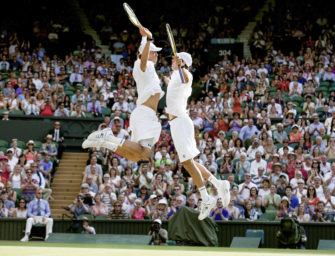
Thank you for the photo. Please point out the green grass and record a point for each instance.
(165, 248)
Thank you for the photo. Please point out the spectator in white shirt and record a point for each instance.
(120, 105)
(31, 108)
(254, 148)
(258, 162)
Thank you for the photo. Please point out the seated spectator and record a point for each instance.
(257, 163)
(38, 176)
(21, 211)
(233, 211)
(47, 108)
(320, 215)
(159, 235)
(293, 200)
(265, 190)
(78, 207)
(48, 148)
(284, 209)
(272, 200)
(115, 178)
(31, 107)
(78, 112)
(11, 194)
(329, 201)
(38, 212)
(4, 213)
(219, 213)
(280, 134)
(248, 130)
(161, 211)
(93, 161)
(244, 188)
(99, 208)
(61, 111)
(301, 214)
(30, 152)
(312, 198)
(29, 187)
(94, 107)
(242, 166)
(86, 228)
(138, 212)
(175, 205)
(159, 184)
(253, 196)
(96, 178)
(249, 212)
(118, 212)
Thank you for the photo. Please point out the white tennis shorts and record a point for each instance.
(182, 131)
(144, 126)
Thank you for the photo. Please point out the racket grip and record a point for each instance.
(181, 75)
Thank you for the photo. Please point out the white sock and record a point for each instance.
(203, 193)
(214, 181)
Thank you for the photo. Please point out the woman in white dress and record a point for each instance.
(21, 211)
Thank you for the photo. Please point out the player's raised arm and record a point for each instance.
(146, 39)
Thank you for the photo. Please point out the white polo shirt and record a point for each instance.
(147, 83)
(178, 93)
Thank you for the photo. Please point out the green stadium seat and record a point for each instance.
(101, 217)
(88, 216)
(17, 113)
(268, 216)
(3, 144)
(245, 242)
(255, 233)
(89, 115)
(106, 111)
(4, 150)
(326, 244)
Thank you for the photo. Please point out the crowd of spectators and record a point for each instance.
(264, 123)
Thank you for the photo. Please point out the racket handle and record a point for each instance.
(181, 75)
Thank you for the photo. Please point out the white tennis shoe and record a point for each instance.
(25, 238)
(223, 192)
(206, 207)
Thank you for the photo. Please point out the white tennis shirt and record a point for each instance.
(178, 94)
(147, 83)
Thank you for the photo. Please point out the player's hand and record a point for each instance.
(177, 60)
(145, 32)
(166, 80)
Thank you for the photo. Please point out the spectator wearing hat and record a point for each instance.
(38, 212)
(161, 210)
(159, 235)
(30, 152)
(276, 173)
(295, 135)
(280, 134)
(284, 209)
(48, 147)
(87, 229)
(248, 130)
(314, 128)
(288, 121)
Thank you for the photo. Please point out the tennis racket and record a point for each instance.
(174, 50)
(131, 15)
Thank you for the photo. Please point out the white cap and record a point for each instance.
(158, 221)
(186, 57)
(153, 48)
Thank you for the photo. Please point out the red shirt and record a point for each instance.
(47, 111)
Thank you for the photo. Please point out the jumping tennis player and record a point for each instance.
(182, 131)
(144, 124)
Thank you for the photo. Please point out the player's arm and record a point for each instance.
(145, 54)
(181, 64)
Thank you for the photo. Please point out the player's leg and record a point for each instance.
(208, 202)
(222, 186)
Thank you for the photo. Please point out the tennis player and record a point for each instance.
(182, 131)
(144, 124)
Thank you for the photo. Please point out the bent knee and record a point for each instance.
(188, 164)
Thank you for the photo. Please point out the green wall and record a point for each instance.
(12, 229)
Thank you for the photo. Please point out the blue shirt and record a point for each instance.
(172, 212)
(46, 166)
(44, 208)
(294, 202)
(247, 132)
(218, 216)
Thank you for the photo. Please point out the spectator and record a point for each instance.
(249, 212)
(87, 229)
(138, 212)
(21, 211)
(159, 235)
(38, 212)
(244, 188)
(219, 213)
(320, 215)
(58, 137)
(257, 163)
(48, 148)
(99, 208)
(302, 216)
(284, 209)
(272, 200)
(118, 212)
(78, 207)
(29, 187)
(161, 211)
(248, 130)
(4, 213)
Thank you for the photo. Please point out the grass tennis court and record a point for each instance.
(44, 249)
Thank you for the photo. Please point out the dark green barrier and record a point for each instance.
(12, 229)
